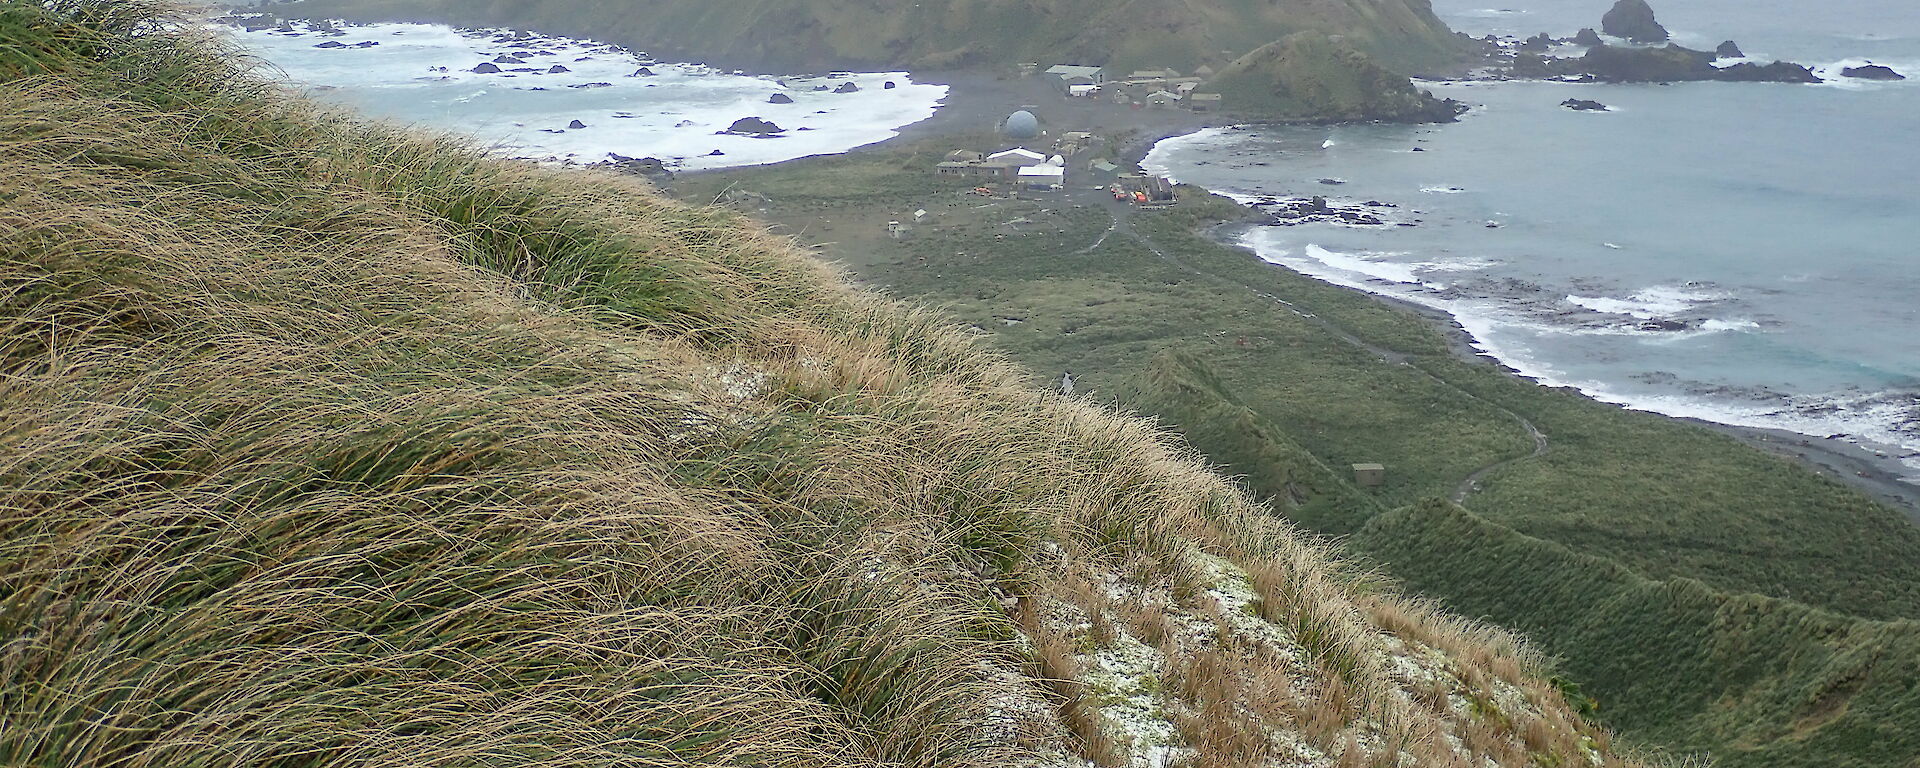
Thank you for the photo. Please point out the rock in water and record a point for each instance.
(754, 126)
(1588, 38)
(1537, 43)
(1583, 105)
(888, 86)
(779, 98)
(642, 72)
(575, 125)
(847, 88)
(1777, 72)
(1634, 20)
(1729, 50)
(331, 44)
(486, 69)
(1873, 72)
(558, 70)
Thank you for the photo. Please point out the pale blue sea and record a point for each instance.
(1779, 224)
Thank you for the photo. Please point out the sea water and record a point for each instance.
(1738, 252)
(422, 74)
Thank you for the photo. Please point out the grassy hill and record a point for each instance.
(1707, 596)
(940, 34)
(327, 444)
(1311, 76)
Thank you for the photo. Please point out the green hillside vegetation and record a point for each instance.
(799, 35)
(1311, 76)
(1706, 595)
(324, 443)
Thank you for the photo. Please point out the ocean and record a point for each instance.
(421, 74)
(1741, 253)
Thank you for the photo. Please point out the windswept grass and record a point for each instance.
(325, 444)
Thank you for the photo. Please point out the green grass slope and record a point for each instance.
(1285, 381)
(1763, 682)
(1311, 76)
(818, 34)
(326, 444)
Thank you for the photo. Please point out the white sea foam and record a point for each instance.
(422, 74)
(1440, 190)
(1877, 420)
(1831, 73)
(1657, 302)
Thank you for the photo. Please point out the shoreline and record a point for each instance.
(1876, 475)
(978, 99)
(982, 97)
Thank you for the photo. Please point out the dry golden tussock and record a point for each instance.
(328, 444)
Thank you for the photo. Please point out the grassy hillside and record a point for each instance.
(326, 444)
(1308, 75)
(1581, 538)
(938, 34)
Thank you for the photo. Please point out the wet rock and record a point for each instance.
(576, 125)
(486, 69)
(331, 44)
(715, 153)
(889, 85)
(1729, 50)
(1873, 72)
(847, 88)
(754, 126)
(1634, 20)
(1588, 37)
(1777, 72)
(505, 59)
(779, 98)
(1584, 105)
(558, 70)
(1538, 43)
(642, 72)
(584, 86)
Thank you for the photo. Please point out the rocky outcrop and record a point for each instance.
(1672, 63)
(1584, 105)
(1588, 37)
(1873, 72)
(558, 70)
(1634, 20)
(779, 98)
(486, 68)
(1777, 72)
(1729, 50)
(847, 88)
(576, 125)
(1539, 43)
(754, 126)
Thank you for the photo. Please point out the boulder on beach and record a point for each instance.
(1584, 105)
(1588, 37)
(1634, 20)
(754, 126)
(779, 98)
(1729, 50)
(576, 125)
(486, 69)
(1873, 72)
(847, 88)
(558, 70)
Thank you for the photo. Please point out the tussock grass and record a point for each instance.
(327, 444)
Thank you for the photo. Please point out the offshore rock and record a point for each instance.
(1729, 50)
(1634, 20)
(1873, 72)
(754, 126)
(1588, 37)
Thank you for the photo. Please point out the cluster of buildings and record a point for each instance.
(1162, 88)
(1023, 164)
